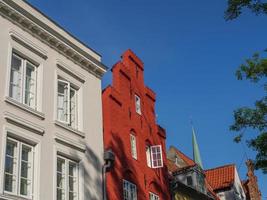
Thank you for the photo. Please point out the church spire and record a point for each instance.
(196, 152)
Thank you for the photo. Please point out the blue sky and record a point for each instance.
(190, 54)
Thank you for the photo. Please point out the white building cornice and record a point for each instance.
(38, 25)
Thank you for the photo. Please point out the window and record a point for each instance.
(22, 85)
(189, 180)
(148, 156)
(67, 179)
(153, 196)
(67, 103)
(201, 182)
(129, 191)
(156, 156)
(18, 175)
(138, 104)
(133, 146)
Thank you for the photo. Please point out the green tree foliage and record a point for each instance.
(235, 7)
(255, 70)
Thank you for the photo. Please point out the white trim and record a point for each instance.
(24, 41)
(25, 108)
(69, 128)
(23, 122)
(61, 138)
(70, 70)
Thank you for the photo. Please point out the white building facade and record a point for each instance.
(51, 140)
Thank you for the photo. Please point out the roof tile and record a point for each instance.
(221, 177)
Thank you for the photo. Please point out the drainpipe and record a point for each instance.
(109, 158)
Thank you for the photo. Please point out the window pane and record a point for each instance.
(71, 196)
(9, 184)
(73, 184)
(24, 186)
(10, 148)
(15, 78)
(72, 167)
(62, 101)
(30, 85)
(25, 153)
(60, 194)
(10, 166)
(25, 170)
(60, 173)
(73, 108)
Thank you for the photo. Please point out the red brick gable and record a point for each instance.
(120, 119)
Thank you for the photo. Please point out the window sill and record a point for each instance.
(25, 108)
(66, 127)
(9, 196)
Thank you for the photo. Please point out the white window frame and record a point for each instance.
(23, 70)
(66, 178)
(148, 156)
(133, 146)
(153, 196)
(156, 160)
(137, 100)
(68, 111)
(129, 190)
(17, 173)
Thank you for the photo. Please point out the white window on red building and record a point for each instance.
(153, 196)
(129, 191)
(133, 146)
(156, 156)
(148, 156)
(138, 104)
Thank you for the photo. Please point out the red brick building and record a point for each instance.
(130, 130)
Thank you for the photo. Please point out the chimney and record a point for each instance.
(251, 184)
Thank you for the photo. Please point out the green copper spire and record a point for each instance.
(196, 151)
